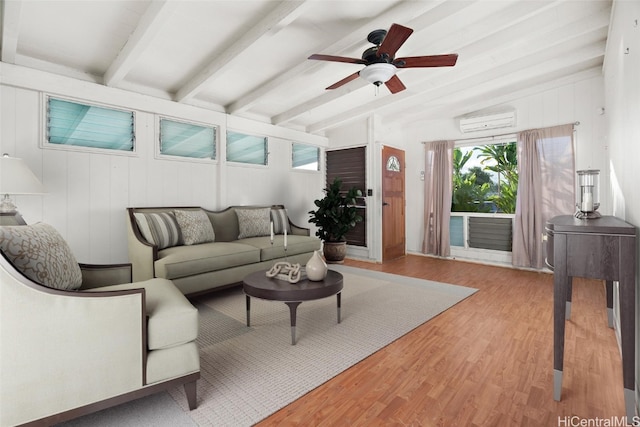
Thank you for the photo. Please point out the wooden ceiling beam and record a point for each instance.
(150, 24)
(285, 12)
(11, 11)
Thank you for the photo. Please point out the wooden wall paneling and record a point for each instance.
(138, 182)
(169, 172)
(584, 111)
(142, 191)
(535, 114)
(78, 177)
(550, 106)
(26, 137)
(566, 104)
(56, 203)
(118, 196)
(202, 191)
(99, 197)
(7, 120)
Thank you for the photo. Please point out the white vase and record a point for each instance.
(316, 267)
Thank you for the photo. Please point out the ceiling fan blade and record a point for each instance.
(395, 38)
(333, 58)
(395, 85)
(427, 61)
(344, 81)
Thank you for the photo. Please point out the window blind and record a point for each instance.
(350, 166)
(75, 124)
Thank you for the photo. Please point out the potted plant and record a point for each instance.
(335, 216)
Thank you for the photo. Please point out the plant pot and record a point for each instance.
(334, 252)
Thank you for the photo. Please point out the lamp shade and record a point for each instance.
(17, 178)
(378, 73)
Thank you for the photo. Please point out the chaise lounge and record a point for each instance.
(75, 338)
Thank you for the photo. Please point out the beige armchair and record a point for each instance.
(72, 341)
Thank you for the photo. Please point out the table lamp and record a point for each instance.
(16, 178)
(588, 195)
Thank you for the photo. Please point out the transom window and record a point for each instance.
(83, 125)
(305, 157)
(187, 139)
(242, 148)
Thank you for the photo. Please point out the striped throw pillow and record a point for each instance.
(280, 221)
(160, 229)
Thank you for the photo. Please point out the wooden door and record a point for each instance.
(393, 202)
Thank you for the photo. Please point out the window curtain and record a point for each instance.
(546, 188)
(437, 197)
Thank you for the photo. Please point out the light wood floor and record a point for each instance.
(487, 361)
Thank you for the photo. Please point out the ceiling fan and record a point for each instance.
(380, 62)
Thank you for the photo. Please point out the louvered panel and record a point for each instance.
(350, 166)
(490, 233)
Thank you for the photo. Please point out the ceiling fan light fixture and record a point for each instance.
(378, 73)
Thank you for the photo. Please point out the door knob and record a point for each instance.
(385, 204)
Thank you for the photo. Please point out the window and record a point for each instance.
(187, 140)
(249, 149)
(74, 124)
(305, 157)
(350, 165)
(485, 183)
(485, 178)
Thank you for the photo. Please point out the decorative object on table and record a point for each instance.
(15, 178)
(285, 271)
(316, 267)
(335, 216)
(588, 195)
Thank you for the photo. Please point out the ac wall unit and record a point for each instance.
(487, 122)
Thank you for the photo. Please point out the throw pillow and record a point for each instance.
(160, 229)
(195, 227)
(280, 221)
(39, 252)
(254, 222)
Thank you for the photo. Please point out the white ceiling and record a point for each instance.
(249, 58)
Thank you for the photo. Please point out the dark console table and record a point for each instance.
(599, 248)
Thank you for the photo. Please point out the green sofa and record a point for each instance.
(201, 250)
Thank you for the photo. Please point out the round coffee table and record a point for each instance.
(258, 285)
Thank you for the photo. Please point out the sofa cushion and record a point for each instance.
(194, 226)
(172, 362)
(160, 229)
(254, 222)
(280, 221)
(181, 261)
(225, 224)
(172, 319)
(39, 252)
(296, 245)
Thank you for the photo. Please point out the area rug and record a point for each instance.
(249, 373)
